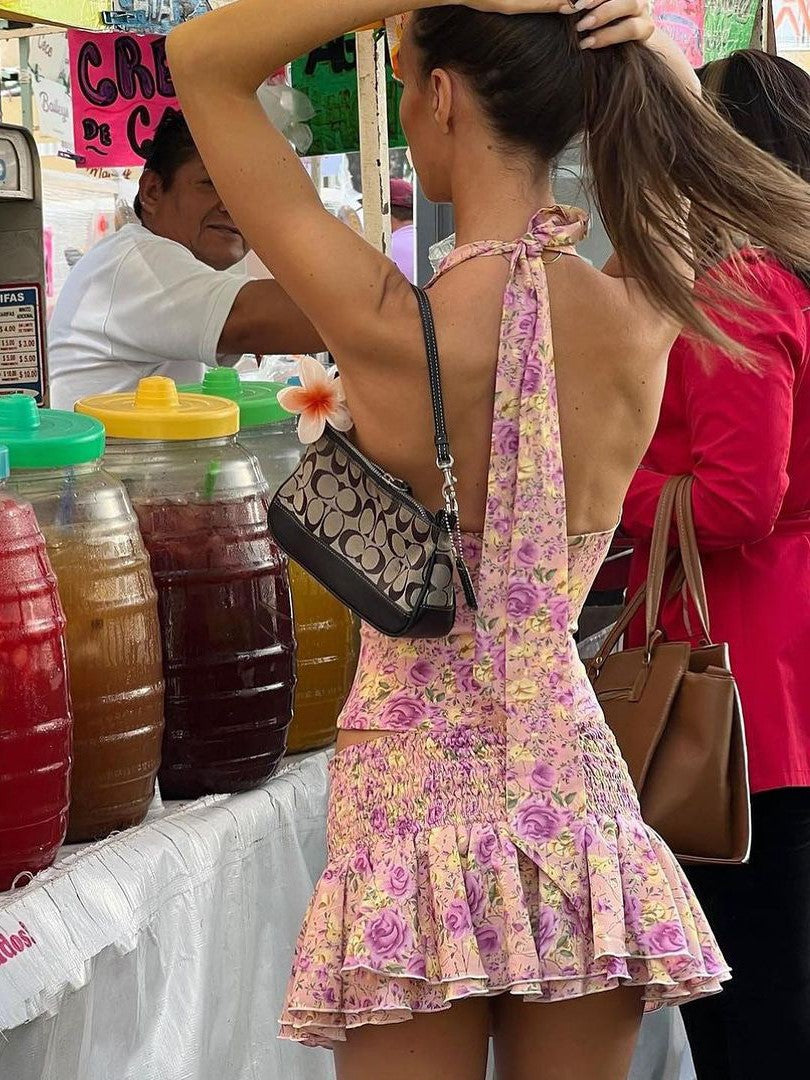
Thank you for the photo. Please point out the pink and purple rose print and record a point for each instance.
(416, 967)
(531, 376)
(543, 776)
(559, 610)
(484, 848)
(457, 918)
(488, 937)
(422, 672)
(397, 881)
(665, 937)
(505, 439)
(527, 554)
(360, 862)
(476, 896)
(401, 712)
(387, 936)
(537, 821)
(523, 599)
(465, 679)
(546, 932)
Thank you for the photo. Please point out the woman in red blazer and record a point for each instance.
(745, 438)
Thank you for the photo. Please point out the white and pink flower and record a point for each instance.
(318, 401)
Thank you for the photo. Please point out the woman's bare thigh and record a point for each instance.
(590, 1037)
(449, 1045)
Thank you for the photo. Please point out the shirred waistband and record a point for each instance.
(397, 785)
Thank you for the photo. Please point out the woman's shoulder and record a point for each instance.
(775, 308)
(767, 277)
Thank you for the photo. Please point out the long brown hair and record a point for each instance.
(651, 145)
(767, 99)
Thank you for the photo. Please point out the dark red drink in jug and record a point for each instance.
(228, 649)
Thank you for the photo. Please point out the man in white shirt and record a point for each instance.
(159, 298)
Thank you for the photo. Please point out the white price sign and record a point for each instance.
(22, 354)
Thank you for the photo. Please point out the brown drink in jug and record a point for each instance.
(113, 642)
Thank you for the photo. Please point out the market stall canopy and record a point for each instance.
(135, 15)
(85, 14)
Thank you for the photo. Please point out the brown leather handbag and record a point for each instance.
(675, 709)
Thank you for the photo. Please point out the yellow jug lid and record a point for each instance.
(155, 410)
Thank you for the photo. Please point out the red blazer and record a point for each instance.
(746, 440)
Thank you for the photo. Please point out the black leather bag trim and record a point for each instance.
(339, 577)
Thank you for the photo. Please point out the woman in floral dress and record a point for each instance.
(488, 866)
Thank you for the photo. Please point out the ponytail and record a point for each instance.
(678, 189)
(653, 147)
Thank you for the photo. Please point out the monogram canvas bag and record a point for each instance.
(360, 532)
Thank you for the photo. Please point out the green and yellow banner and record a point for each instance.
(85, 14)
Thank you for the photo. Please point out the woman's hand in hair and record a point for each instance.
(603, 22)
(611, 22)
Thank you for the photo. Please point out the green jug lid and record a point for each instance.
(257, 401)
(3, 462)
(47, 438)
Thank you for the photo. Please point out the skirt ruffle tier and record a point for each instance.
(427, 897)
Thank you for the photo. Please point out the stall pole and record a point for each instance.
(315, 173)
(26, 90)
(373, 108)
(763, 35)
(768, 32)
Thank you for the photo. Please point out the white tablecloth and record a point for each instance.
(162, 953)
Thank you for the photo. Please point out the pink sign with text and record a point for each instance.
(121, 87)
(683, 21)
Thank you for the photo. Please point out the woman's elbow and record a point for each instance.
(186, 56)
(730, 526)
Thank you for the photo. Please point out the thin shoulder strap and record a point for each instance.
(444, 457)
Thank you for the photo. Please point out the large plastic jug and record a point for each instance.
(326, 632)
(223, 591)
(109, 598)
(35, 720)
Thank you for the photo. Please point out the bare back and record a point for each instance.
(610, 356)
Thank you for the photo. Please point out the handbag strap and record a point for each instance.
(659, 547)
(444, 457)
(690, 555)
(617, 631)
(675, 501)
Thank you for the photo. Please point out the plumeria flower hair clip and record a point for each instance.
(318, 401)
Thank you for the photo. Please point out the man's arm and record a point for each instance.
(263, 319)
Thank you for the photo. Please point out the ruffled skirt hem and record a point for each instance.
(324, 1028)
(411, 916)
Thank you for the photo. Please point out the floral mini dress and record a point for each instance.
(492, 842)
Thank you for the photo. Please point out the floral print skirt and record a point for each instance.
(427, 899)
